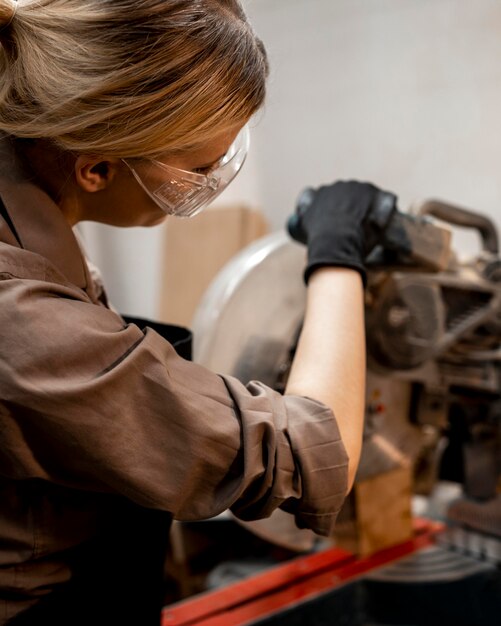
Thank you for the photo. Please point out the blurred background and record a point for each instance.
(403, 93)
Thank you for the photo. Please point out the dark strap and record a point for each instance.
(8, 220)
(180, 338)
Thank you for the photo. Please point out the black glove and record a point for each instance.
(341, 223)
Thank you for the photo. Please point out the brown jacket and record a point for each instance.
(106, 433)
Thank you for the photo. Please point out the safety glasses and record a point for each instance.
(183, 193)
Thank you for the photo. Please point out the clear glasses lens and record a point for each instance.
(183, 193)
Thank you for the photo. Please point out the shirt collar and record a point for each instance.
(39, 223)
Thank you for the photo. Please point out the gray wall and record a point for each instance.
(404, 93)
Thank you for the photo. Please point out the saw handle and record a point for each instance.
(294, 226)
(467, 219)
(382, 213)
(378, 219)
(410, 239)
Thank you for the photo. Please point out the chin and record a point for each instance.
(155, 220)
(146, 221)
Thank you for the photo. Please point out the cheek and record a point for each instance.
(130, 205)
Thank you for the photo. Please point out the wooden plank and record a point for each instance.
(377, 514)
(194, 252)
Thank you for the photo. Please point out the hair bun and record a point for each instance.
(8, 10)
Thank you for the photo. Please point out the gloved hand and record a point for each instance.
(341, 223)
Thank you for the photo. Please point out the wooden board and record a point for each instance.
(194, 252)
(379, 512)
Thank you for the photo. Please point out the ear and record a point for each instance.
(95, 173)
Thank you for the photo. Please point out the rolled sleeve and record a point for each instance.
(293, 454)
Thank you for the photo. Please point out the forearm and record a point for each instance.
(329, 365)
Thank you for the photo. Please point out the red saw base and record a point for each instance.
(282, 586)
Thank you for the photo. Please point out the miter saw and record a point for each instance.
(433, 324)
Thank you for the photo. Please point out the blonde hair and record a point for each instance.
(128, 78)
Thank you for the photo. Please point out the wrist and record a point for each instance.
(313, 269)
(325, 277)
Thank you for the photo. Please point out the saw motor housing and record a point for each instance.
(433, 344)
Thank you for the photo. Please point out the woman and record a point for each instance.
(122, 112)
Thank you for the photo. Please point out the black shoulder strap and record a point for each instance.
(10, 224)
